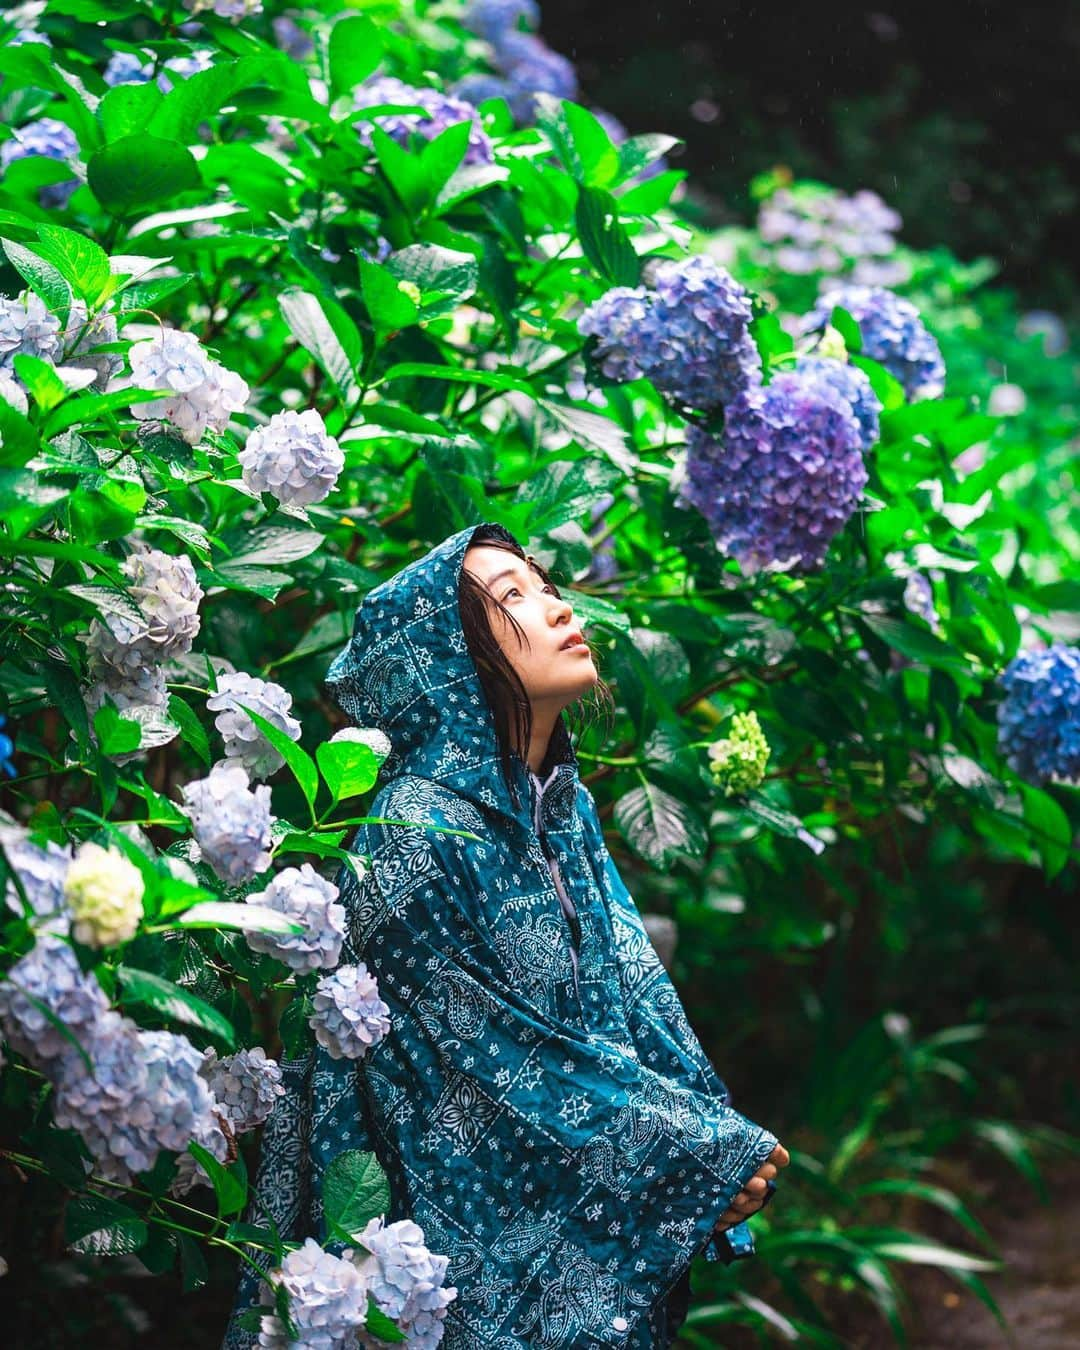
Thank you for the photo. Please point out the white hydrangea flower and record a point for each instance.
(105, 892)
(405, 1280)
(27, 327)
(376, 741)
(41, 869)
(328, 1301)
(245, 1086)
(349, 1016)
(231, 823)
(205, 394)
(244, 742)
(12, 392)
(233, 10)
(293, 457)
(300, 893)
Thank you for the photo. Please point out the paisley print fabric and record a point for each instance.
(567, 1145)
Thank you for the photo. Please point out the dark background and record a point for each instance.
(963, 116)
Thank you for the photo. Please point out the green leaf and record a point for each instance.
(19, 442)
(443, 276)
(386, 298)
(42, 277)
(639, 152)
(192, 731)
(140, 171)
(845, 325)
(917, 644)
(43, 384)
(170, 1000)
(299, 761)
(241, 917)
(229, 1183)
(659, 826)
(355, 1190)
(326, 331)
(1050, 826)
(102, 1227)
(127, 109)
(116, 735)
(355, 49)
(192, 1263)
(296, 1034)
(348, 767)
(378, 1325)
(270, 544)
(580, 142)
(81, 262)
(782, 822)
(603, 239)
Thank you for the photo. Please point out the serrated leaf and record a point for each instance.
(603, 239)
(141, 986)
(83, 264)
(140, 171)
(299, 761)
(1050, 827)
(659, 826)
(326, 331)
(240, 917)
(192, 731)
(349, 768)
(229, 1183)
(42, 383)
(275, 544)
(355, 1190)
(102, 1227)
(115, 734)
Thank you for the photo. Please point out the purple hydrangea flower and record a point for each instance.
(127, 68)
(49, 976)
(204, 393)
(349, 1016)
(1039, 717)
(444, 111)
(491, 18)
(293, 40)
(244, 742)
(301, 894)
(41, 869)
(231, 824)
(405, 1280)
(531, 67)
(293, 457)
(689, 333)
(786, 477)
(853, 384)
(919, 598)
(83, 336)
(51, 139)
(328, 1301)
(477, 88)
(892, 332)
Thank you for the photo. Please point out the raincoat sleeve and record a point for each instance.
(569, 1183)
(654, 1012)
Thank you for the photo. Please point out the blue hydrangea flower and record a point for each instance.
(41, 870)
(491, 18)
(7, 749)
(231, 823)
(478, 87)
(1039, 717)
(688, 333)
(893, 334)
(49, 976)
(532, 68)
(853, 384)
(302, 895)
(405, 1279)
(444, 111)
(127, 68)
(53, 140)
(328, 1301)
(786, 477)
(349, 1016)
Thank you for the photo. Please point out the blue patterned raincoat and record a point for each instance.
(565, 1141)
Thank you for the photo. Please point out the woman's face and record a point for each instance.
(553, 674)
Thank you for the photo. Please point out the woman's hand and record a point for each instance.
(749, 1199)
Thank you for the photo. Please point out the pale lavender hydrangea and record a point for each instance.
(244, 1086)
(443, 111)
(478, 87)
(51, 139)
(852, 384)
(293, 40)
(245, 744)
(233, 10)
(786, 477)
(27, 327)
(533, 68)
(49, 976)
(1039, 717)
(205, 394)
(12, 392)
(892, 333)
(231, 823)
(127, 68)
(688, 333)
(84, 335)
(349, 1016)
(919, 598)
(405, 1280)
(293, 457)
(41, 868)
(815, 231)
(145, 1095)
(328, 1301)
(300, 893)
(125, 650)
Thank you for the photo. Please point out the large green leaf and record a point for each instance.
(172, 1001)
(299, 761)
(140, 171)
(355, 1190)
(355, 49)
(102, 1227)
(603, 239)
(324, 329)
(659, 826)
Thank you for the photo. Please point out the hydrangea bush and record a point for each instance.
(281, 306)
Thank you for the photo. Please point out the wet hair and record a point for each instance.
(501, 683)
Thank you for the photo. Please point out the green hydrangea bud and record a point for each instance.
(737, 762)
(104, 892)
(832, 344)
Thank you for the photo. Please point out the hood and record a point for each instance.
(407, 670)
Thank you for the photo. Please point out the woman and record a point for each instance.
(541, 1106)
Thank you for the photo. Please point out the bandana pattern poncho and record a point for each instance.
(569, 1147)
